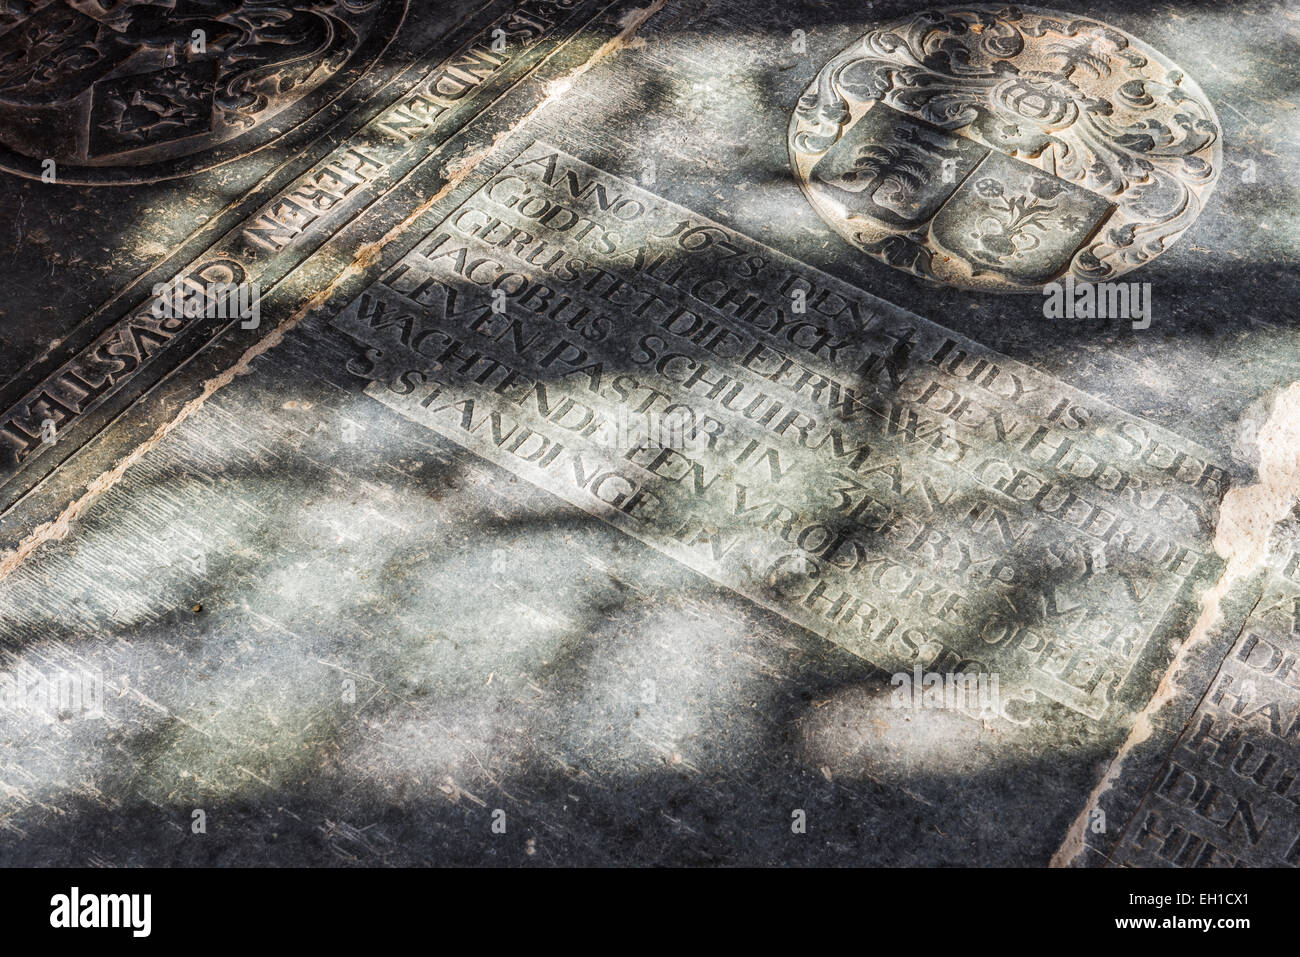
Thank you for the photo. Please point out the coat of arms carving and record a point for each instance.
(137, 90)
(1001, 148)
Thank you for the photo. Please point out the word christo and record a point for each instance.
(102, 910)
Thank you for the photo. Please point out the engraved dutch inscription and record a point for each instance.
(862, 472)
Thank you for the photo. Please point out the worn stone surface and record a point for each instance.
(1227, 793)
(398, 559)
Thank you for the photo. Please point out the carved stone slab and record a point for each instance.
(131, 92)
(404, 556)
(1228, 794)
(866, 474)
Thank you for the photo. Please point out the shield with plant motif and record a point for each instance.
(1018, 222)
(894, 168)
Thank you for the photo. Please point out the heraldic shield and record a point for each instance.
(995, 213)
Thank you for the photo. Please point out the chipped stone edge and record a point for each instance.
(1247, 517)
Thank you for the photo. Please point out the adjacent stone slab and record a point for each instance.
(116, 94)
(1229, 792)
(120, 351)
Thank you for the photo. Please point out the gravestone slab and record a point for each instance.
(605, 478)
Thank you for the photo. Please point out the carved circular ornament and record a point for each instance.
(1002, 148)
(130, 91)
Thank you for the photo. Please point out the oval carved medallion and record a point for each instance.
(1001, 148)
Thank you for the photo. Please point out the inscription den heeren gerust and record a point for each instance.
(863, 472)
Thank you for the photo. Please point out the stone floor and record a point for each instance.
(384, 564)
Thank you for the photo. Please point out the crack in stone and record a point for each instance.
(1247, 517)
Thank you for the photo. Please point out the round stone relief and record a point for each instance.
(1002, 148)
(129, 91)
